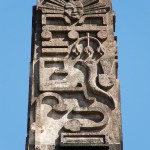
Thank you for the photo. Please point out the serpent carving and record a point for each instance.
(91, 66)
(77, 124)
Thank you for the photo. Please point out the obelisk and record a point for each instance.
(74, 94)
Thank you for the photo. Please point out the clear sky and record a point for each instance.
(133, 31)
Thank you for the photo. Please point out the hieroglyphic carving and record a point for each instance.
(74, 91)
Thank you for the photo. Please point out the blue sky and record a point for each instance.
(132, 29)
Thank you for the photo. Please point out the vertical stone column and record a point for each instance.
(74, 100)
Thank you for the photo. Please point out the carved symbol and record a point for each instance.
(46, 35)
(74, 9)
(91, 66)
(102, 34)
(76, 125)
(105, 80)
(60, 107)
(73, 35)
(77, 50)
(88, 50)
(73, 125)
(84, 138)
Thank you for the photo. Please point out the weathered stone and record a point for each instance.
(74, 100)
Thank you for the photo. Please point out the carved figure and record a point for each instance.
(74, 9)
(91, 67)
(88, 50)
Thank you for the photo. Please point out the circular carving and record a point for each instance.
(46, 35)
(102, 34)
(73, 35)
(62, 108)
(105, 80)
(73, 125)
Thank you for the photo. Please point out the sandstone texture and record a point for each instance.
(74, 98)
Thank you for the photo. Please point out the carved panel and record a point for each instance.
(74, 91)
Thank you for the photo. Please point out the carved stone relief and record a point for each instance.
(75, 76)
(74, 9)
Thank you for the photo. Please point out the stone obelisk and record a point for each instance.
(74, 98)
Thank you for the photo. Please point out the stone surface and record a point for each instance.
(74, 98)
